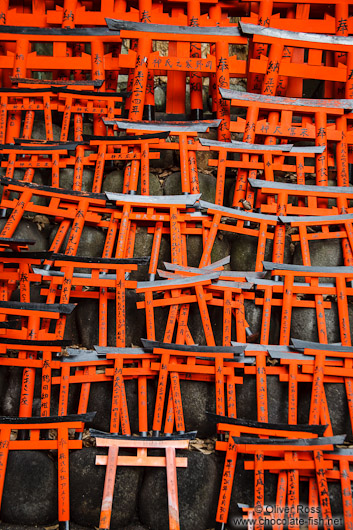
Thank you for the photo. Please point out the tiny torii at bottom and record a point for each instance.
(115, 441)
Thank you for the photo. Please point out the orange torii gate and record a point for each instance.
(202, 363)
(322, 228)
(62, 444)
(16, 245)
(288, 299)
(274, 158)
(144, 60)
(330, 360)
(169, 444)
(78, 100)
(278, 64)
(247, 222)
(317, 198)
(19, 58)
(25, 59)
(132, 209)
(131, 148)
(285, 119)
(128, 363)
(312, 200)
(72, 208)
(341, 287)
(15, 270)
(302, 15)
(107, 274)
(81, 367)
(343, 459)
(178, 297)
(76, 12)
(262, 369)
(227, 291)
(34, 334)
(186, 132)
(32, 156)
(272, 440)
(293, 370)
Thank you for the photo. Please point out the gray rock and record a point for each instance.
(100, 400)
(246, 398)
(87, 129)
(243, 252)
(304, 323)
(4, 375)
(165, 160)
(12, 391)
(206, 99)
(322, 254)
(207, 184)
(337, 405)
(31, 479)
(122, 85)
(154, 184)
(229, 186)
(87, 322)
(39, 133)
(136, 526)
(91, 241)
(88, 325)
(143, 247)
(160, 321)
(304, 397)
(172, 184)
(160, 97)
(66, 178)
(277, 398)
(253, 316)
(198, 494)
(86, 490)
(338, 408)
(71, 328)
(335, 493)
(114, 181)
(244, 249)
(43, 48)
(196, 328)
(28, 230)
(187, 100)
(198, 397)
(194, 245)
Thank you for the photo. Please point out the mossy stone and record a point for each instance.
(207, 185)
